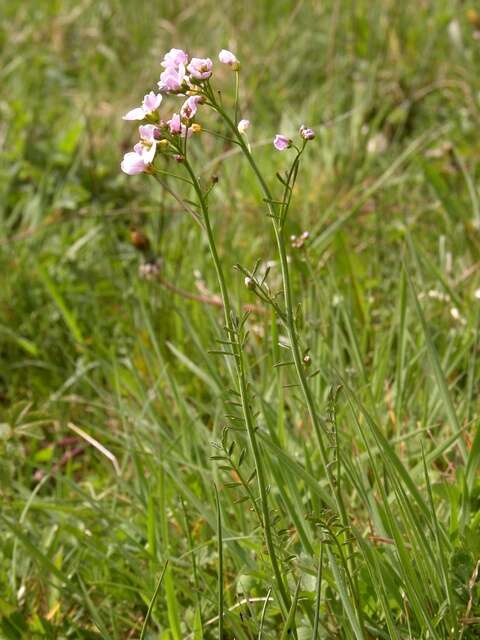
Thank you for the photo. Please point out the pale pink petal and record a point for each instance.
(172, 79)
(151, 102)
(133, 163)
(200, 68)
(243, 125)
(174, 58)
(175, 124)
(189, 107)
(147, 132)
(281, 142)
(149, 153)
(135, 114)
(227, 57)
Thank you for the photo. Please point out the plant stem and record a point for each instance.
(220, 566)
(279, 232)
(243, 389)
(288, 297)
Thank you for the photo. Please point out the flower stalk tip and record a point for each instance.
(227, 57)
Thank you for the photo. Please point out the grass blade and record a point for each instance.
(152, 602)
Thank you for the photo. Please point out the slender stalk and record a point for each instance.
(220, 566)
(279, 232)
(247, 412)
(318, 595)
(152, 602)
(288, 297)
(237, 87)
(264, 611)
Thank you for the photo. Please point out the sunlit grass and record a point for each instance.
(390, 309)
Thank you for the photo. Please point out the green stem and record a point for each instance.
(247, 412)
(278, 227)
(237, 86)
(220, 566)
(288, 297)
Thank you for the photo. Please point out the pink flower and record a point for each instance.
(227, 57)
(306, 133)
(281, 142)
(133, 163)
(147, 146)
(174, 58)
(135, 114)
(189, 107)
(150, 103)
(175, 124)
(147, 133)
(200, 68)
(177, 128)
(243, 125)
(172, 79)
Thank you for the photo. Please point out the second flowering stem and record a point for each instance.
(278, 220)
(238, 354)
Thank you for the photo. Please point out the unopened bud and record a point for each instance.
(306, 133)
(249, 283)
(307, 361)
(243, 125)
(196, 128)
(299, 242)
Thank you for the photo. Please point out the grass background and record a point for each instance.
(390, 295)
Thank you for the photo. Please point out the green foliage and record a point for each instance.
(118, 414)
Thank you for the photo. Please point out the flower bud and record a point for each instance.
(307, 361)
(249, 283)
(227, 57)
(306, 133)
(299, 242)
(196, 128)
(243, 125)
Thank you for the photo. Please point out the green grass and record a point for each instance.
(112, 405)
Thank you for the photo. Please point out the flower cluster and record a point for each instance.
(281, 142)
(187, 77)
(182, 76)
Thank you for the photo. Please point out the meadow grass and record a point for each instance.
(130, 503)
